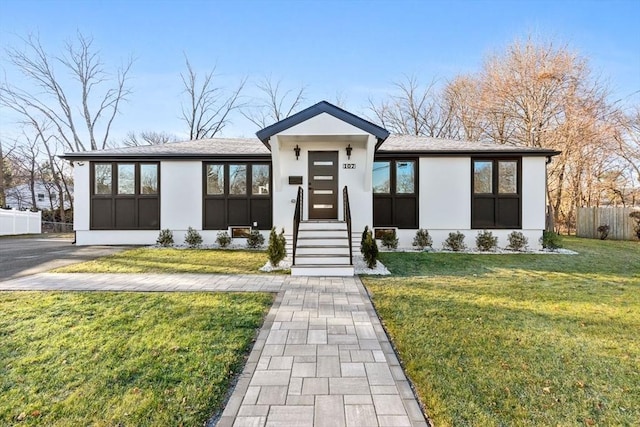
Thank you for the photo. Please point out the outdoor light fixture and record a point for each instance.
(349, 151)
(297, 151)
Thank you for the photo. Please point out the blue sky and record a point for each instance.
(354, 49)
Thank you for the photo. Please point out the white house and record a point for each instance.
(45, 194)
(314, 160)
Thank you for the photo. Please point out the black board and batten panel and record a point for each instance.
(496, 189)
(395, 193)
(237, 194)
(125, 195)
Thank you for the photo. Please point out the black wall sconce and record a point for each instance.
(349, 151)
(297, 151)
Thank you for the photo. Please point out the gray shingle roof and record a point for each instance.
(199, 148)
(423, 144)
(253, 147)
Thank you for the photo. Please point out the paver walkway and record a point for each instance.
(322, 357)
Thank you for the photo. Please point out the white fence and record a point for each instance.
(20, 222)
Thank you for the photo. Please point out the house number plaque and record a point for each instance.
(348, 166)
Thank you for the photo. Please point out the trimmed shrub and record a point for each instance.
(486, 241)
(422, 239)
(362, 239)
(455, 242)
(165, 238)
(635, 215)
(277, 248)
(193, 239)
(389, 240)
(223, 239)
(517, 241)
(255, 240)
(551, 240)
(369, 248)
(604, 231)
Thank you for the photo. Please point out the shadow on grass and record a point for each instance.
(480, 360)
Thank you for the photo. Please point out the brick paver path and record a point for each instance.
(322, 357)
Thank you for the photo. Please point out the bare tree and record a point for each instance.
(627, 138)
(80, 124)
(207, 111)
(274, 103)
(413, 110)
(462, 97)
(6, 169)
(541, 95)
(149, 138)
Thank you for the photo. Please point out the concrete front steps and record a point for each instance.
(322, 249)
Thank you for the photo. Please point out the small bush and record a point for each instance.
(277, 248)
(389, 240)
(165, 238)
(255, 240)
(362, 239)
(223, 239)
(193, 239)
(486, 241)
(636, 228)
(422, 239)
(517, 241)
(604, 231)
(369, 248)
(455, 242)
(551, 240)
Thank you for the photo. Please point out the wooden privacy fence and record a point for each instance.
(617, 218)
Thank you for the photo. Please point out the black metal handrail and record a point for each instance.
(297, 217)
(347, 218)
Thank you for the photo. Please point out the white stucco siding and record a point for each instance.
(360, 196)
(81, 195)
(533, 193)
(445, 193)
(445, 201)
(181, 195)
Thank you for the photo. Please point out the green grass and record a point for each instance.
(121, 359)
(169, 260)
(519, 339)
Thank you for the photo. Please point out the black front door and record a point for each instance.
(323, 185)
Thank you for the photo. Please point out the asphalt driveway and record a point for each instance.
(25, 255)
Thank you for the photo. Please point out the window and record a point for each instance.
(405, 177)
(395, 198)
(215, 179)
(382, 177)
(149, 178)
(496, 198)
(126, 178)
(127, 199)
(41, 197)
(102, 178)
(236, 194)
(260, 179)
(238, 179)
(483, 177)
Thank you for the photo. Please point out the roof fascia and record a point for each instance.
(319, 108)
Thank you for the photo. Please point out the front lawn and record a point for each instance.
(116, 359)
(170, 260)
(519, 339)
